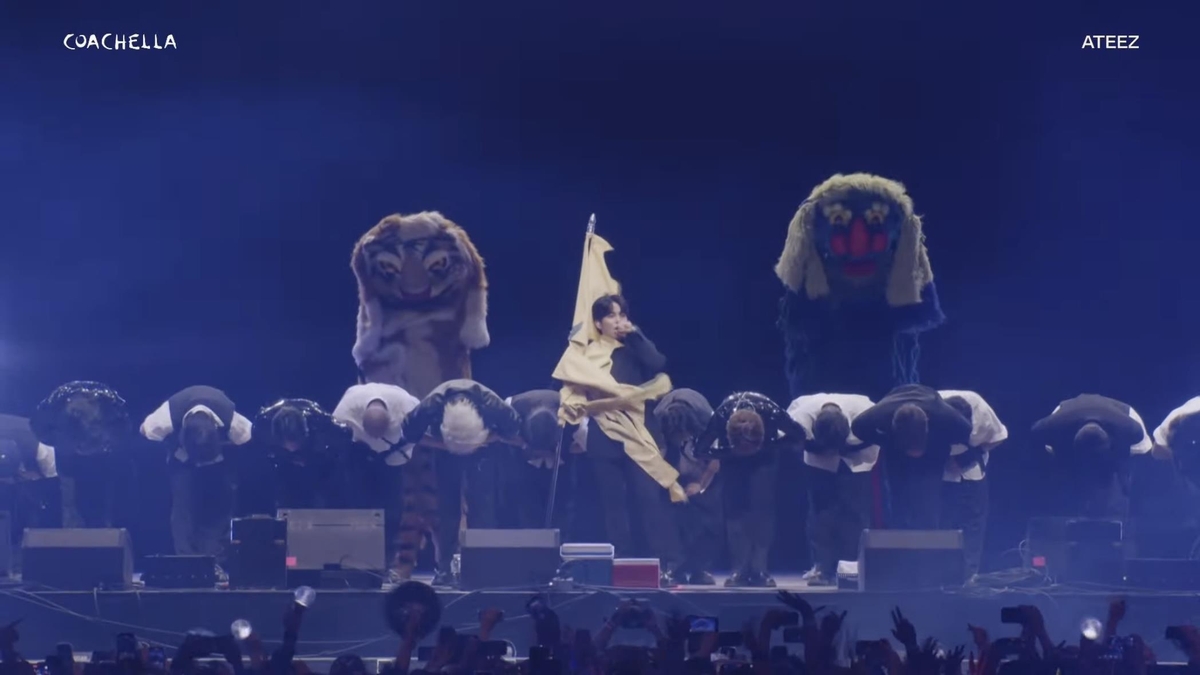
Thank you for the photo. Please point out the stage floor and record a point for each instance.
(351, 621)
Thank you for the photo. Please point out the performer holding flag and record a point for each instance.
(610, 373)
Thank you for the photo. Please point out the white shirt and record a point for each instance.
(158, 426)
(45, 461)
(805, 410)
(987, 431)
(1162, 435)
(399, 403)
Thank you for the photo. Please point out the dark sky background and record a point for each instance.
(180, 217)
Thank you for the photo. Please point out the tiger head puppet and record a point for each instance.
(856, 234)
(422, 301)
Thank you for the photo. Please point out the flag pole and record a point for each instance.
(591, 229)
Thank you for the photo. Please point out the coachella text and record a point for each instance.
(113, 42)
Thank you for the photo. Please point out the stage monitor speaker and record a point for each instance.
(78, 559)
(509, 558)
(179, 571)
(258, 555)
(910, 560)
(1075, 549)
(350, 540)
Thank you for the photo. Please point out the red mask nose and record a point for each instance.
(860, 239)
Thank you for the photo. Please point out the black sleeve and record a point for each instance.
(652, 360)
(419, 419)
(1125, 430)
(872, 425)
(715, 432)
(501, 418)
(957, 429)
(793, 432)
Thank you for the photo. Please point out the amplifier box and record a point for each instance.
(636, 573)
(508, 558)
(78, 559)
(258, 554)
(588, 564)
(319, 539)
(910, 560)
(179, 571)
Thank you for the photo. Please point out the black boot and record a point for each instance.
(701, 579)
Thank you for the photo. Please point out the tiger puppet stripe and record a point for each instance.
(422, 292)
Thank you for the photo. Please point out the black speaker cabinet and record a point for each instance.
(508, 558)
(910, 560)
(258, 555)
(78, 559)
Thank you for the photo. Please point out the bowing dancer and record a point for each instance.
(87, 426)
(197, 424)
(311, 452)
(530, 469)
(839, 479)
(747, 433)
(468, 421)
(374, 413)
(1093, 438)
(683, 416)
(965, 485)
(1179, 434)
(26, 470)
(915, 430)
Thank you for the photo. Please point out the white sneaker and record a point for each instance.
(814, 573)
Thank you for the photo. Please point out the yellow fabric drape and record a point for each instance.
(589, 390)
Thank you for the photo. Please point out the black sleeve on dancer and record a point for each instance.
(418, 421)
(714, 432)
(502, 418)
(957, 429)
(873, 425)
(645, 352)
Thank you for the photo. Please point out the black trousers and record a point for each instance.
(750, 485)
(473, 480)
(88, 500)
(702, 522)
(965, 507)
(916, 491)
(311, 486)
(202, 503)
(839, 509)
(626, 492)
(527, 494)
(373, 484)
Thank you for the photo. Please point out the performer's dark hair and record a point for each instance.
(745, 426)
(1091, 437)
(289, 425)
(831, 427)
(677, 418)
(961, 407)
(602, 307)
(199, 431)
(541, 430)
(910, 426)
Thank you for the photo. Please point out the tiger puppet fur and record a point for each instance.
(422, 293)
